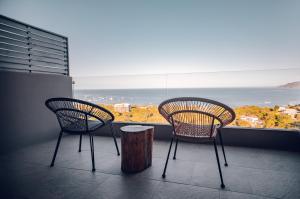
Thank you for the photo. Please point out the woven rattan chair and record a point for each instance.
(196, 119)
(77, 116)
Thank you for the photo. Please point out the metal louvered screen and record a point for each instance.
(27, 48)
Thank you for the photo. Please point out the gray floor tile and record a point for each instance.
(252, 173)
(177, 171)
(44, 182)
(179, 191)
(235, 195)
(273, 183)
(125, 187)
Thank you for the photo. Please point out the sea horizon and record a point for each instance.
(233, 96)
(183, 88)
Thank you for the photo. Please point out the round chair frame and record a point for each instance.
(197, 119)
(78, 116)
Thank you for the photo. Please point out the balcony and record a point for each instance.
(34, 64)
(252, 172)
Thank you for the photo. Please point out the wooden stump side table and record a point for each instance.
(136, 147)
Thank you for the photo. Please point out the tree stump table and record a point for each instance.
(136, 147)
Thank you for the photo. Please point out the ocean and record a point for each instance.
(231, 96)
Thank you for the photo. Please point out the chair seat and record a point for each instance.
(79, 117)
(79, 126)
(195, 131)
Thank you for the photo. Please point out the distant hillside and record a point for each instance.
(291, 85)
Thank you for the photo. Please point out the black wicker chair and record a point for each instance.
(77, 116)
(196, 119)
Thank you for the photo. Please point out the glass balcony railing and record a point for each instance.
(260, 98)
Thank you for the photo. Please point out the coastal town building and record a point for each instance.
(254, 121)
(289, 111)
(122, 107)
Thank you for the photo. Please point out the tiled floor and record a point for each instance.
(252, 173)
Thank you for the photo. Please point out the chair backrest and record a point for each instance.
(196, 117)
(76, 113)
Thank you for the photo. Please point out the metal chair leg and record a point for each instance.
(166, 164)
(221, 141)
(113, 134)
(80, 139)
(92, 150)
(56, 148)
(220, 171)
(174, 156)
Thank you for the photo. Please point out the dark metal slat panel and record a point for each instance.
(29, 48)
(36, 51)
(13, 53)
(9, 28)
(7, 65)
(43, 42)
(48, 72)
(47, 59)
(34, 69)
(48, 50)
(9, 22)
(47, 46)
(46, 54)
(13, 35)
(39, 37)
(8, 40)
(49, 64)
(13, 69)
(68, 60)
(13, 47)
(13, 59)
(46, 68)
(47, 35)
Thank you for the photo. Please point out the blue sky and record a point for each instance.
(110, 38)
